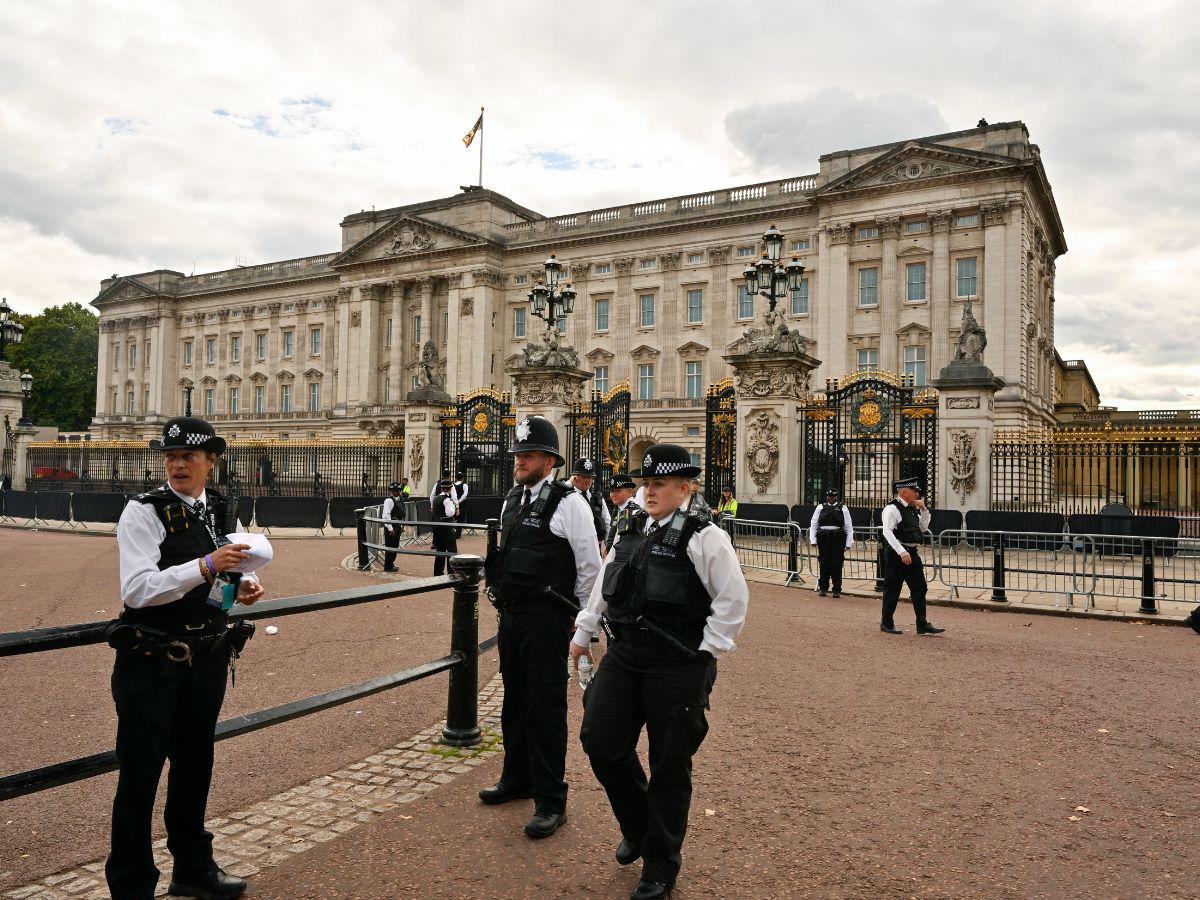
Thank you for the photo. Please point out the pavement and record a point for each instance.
(1014, 756)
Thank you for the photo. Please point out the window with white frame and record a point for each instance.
(694, 456)
(233, 401)
(649, 264)
(745, 251)
(745, 303)
(693, 377)
(914, 364)
(646, 302)
(602, 315)
(314, 396)
(800, 245)
(387, 337)
(694, 258)
(519, 322)
(864, 466)
(285, 398)
(967, 276)
(915, 276)
(868, 287)
(260, 346)
(693, 431)
(695, 300)
(916, 227)
(133, 356)
(868, 359)
(561, 324)
(235, 348)
(187, 353)
(601, 379)
(314, 341)
(210, 401)
(967, 221)
(260, 398)
(129, 407)
(210, 349)
(800, 299)
(868, 232)
(416, 382)
(522, 279)
(604, 268)
(289, 342)
(646, 381)
(146, 355)
(417, 329)
(116, 358)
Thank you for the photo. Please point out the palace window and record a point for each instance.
(745, 303)
(387, 340)
(914, 364)
(116, 357)
(916, 281)
(416, 382)
(233, 401)
(694, 258)
(695, 298)
(604, 268)
(133, 356)
(646, 381)
(285, 398)
(693, 380)
(417, 329)
(865, 234)
(800, 299)
(693, 431)
(445, 326)
(916, 227)
(260, 346)
(210, 347)
(868, 287)
(522, 279)
(602, 315)
(601, 380)
(187, 353)
(649, 264)
(129, 407)
(145, 401)
(314, 341)
(210, 401)
(966, 271)
(968, 221)
(260, 399)
(868, 359)
(146, 355)
(235, 348)
(800, 245)
(387, 389)
(314, 396)
(561, 324)
(519, 323)
(864, 466)
(647, 306)
(745, 251)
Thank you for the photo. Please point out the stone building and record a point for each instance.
(894, 237)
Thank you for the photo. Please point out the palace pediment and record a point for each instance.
(123, 290)
(406, 236)
(913, 328)
(917, 162)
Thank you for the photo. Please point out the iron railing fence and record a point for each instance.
(769, 546)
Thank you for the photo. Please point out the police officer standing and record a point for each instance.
(445, 538)
(620, 492)
(547, 538)
(831, 531)
(173, 655)
(393, 509)
(583, 479)
(904, 520)
(674, 595)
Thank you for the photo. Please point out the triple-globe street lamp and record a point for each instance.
(768, 277)
(547, 300)
(10, 332)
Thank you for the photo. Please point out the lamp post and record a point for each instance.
(26, 390)
(10, 332)
(769, 277)
(547, 300)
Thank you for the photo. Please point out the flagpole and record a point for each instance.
(481, 147)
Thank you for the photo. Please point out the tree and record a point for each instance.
(59, 350)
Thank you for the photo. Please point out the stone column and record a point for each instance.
(939, 304)
(670, 380)
(1183, 482)
(718, 316)
(23, 438)
(771, 388)
(423, 445)
(103, 369)
(396, 351)
(425, 285)
(889, 298)
(623, 319)
(835, 308)
(368, 332)
(966, 426)
(995, 295)
(550, 391)
(343, 363)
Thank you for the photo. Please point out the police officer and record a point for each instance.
(904, 520)
(393, 508)
(583, 479)
(696, 502)
(547, 538)
(169, 680)
(445, 538)
(831, 531)
(675, 599)
(620, 492)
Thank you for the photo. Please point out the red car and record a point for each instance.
(55, 473)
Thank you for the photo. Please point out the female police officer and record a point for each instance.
(169, 678)
(675, 598)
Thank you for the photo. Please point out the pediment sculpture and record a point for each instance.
(411, 239)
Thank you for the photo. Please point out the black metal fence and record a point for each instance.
(720, 440)
(462, 662)
(599, 430)
(476, 433)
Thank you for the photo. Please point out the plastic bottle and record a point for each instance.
(584, 667)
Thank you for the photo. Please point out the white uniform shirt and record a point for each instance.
(572, 521)
(849, 525)
(388, 505)
(717, 565)
(891, 518)
(139, 533)
(458, 492)
(448, 507)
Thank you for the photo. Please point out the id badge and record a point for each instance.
(216, 594)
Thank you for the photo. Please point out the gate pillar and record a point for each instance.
(423, 447)
(550, 391)
(771, 386)
(966, 426)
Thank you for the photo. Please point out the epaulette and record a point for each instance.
(154, 495)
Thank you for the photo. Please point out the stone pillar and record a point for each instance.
(23, 438)
(966, 426)
(103, 370)
(344, 362)
(939, 303)
(889, 298)
(548, 391)
(426, 289)
(1183, 482)
(771, 389)
(997, 318)
(719, 315)
(396, 351)
(836, 310)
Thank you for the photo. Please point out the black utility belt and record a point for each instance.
(178, 646)
(536, 604)
(644, 637)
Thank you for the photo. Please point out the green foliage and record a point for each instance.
(59, 351)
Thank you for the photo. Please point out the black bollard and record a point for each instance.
(462, 702)
(1148, 602)
(998, 593)
(879, 563)
(793, 562)
(493, 535)
(364, 555)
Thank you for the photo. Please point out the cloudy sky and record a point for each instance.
(164, 134)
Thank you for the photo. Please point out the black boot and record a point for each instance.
(501, 793)
(927, 628)
(215, 885)
(650, 890)
(627, 852)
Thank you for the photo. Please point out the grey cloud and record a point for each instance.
(795, 132)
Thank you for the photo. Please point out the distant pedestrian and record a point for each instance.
(445, 537)
(904, 521)
(831, 531)
(728, 506)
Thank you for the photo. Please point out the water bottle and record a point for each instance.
(584, 667)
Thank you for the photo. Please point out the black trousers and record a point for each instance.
(831, 556)
(533, 666)
(648, 685)
(391, 537)
(444, 538)
(895, 575)
(165, 710)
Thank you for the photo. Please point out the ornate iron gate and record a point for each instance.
(476, 436)
(600, 430)
(872, 428)
(720, 439)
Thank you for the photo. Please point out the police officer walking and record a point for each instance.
(547, 538)
(620, 491)
(904, 520)
(393, 509)
(445, 537)
(832, 533)
(583, 479)
(173, 656)
(675, 598)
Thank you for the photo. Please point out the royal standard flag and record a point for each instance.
(470, 135)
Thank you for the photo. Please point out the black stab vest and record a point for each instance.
(648, 577)
(438, 508)
(831, 515)
(909, 529)
(187, 540)
(619, 516)
(531, 555)
(397, 508)
(594, 500)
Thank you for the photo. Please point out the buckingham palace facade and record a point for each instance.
(894, 238)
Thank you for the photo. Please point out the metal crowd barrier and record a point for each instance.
(771, 546)
(1030, 562)
(371, 528)
(462, 662)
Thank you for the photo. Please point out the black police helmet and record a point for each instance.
(621, 480)
(537, 433)
(666, 459)
(584, 466)
(395, 487)
(186, 433)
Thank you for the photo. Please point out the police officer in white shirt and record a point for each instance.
(831, 531)
(547, 539)
(620, 492)
(445, 538)
(675, 598)
(173, 650)
(904, 520)
(583, 479)
(393, 508)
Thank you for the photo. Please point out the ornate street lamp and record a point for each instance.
(10, 332)
(547, 301)
(768, 277)
(26, 390)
